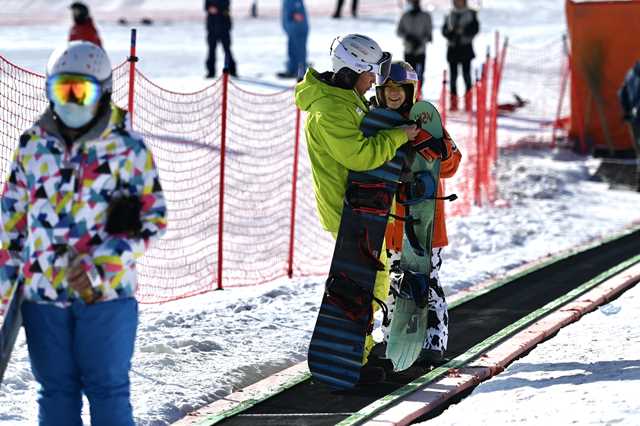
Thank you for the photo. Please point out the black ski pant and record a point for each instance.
(417, 62)
(466, 75)
(354, 7)
(213, 37)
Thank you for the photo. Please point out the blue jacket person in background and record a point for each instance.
(296, 25)
(219, 30)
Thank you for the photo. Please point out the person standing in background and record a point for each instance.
(459, 28)
(354, 9)
(83, 28)
(415, 28)
(296, 25)
(219, 30)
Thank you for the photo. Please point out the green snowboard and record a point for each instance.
(408, 329)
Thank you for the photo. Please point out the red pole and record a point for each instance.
(563, 88)
(494, 102)
(132, 73)
(294, 185)
(223, 153)
(478, 175)
(443, 99)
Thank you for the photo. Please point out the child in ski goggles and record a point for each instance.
(80, 89)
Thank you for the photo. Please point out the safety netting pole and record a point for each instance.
(132, 74)
(479, 133)
(443, 99)
(223, 154)
(294, 186)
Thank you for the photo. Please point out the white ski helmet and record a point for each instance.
(81, 57)
(360, 54)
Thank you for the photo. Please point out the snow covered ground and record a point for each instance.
(197, 350)
(587, 374)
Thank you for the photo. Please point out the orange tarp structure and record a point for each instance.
(604, 46)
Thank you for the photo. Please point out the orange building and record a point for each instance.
(603, 47)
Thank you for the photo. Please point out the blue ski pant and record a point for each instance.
(297, 50)
(82, 349)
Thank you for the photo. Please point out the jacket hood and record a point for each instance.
(316, 86)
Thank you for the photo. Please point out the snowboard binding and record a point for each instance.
(415, 286)
(352, 297)
(369, 198)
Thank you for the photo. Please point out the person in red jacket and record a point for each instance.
(83, 28)
(398, 92)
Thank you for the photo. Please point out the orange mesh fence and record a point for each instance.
(259, 242)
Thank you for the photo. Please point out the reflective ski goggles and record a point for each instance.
(77, 88)
(397, 73)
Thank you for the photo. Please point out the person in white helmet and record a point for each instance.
(335, 104)
(82, 201)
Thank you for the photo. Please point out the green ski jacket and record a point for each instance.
(335, 142)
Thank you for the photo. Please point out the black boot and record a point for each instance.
(371, 375)
(430, 358)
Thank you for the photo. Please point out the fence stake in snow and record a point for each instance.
(294, 185)
(223, 153)
(132, 73)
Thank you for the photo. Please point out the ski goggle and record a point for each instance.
(380, 68)
(398, 74)
(77, 88)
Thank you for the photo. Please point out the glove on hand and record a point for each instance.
(123, 216)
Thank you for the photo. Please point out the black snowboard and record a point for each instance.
(337, 344)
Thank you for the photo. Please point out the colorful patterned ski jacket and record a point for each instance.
(54, 208)
(335, 142)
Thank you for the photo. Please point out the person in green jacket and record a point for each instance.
(335, 106)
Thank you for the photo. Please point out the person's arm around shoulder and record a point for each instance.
(346, 144)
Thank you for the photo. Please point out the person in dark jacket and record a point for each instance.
(629, 96)
(354, 8)
(219, 30)
(83, 28)
(415, 27)
(459, 28)
(296, 25)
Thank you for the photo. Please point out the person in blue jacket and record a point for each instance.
(219, 30)
(296, 25)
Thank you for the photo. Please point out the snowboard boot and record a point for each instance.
(430, 358)
(468, 101)
(453, 101)
(371, 375)
(377, 359)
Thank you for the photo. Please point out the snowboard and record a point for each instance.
(408, 329)
(10, 323)
(345, 317)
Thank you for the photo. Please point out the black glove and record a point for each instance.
(123, 216)
(438, 146)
